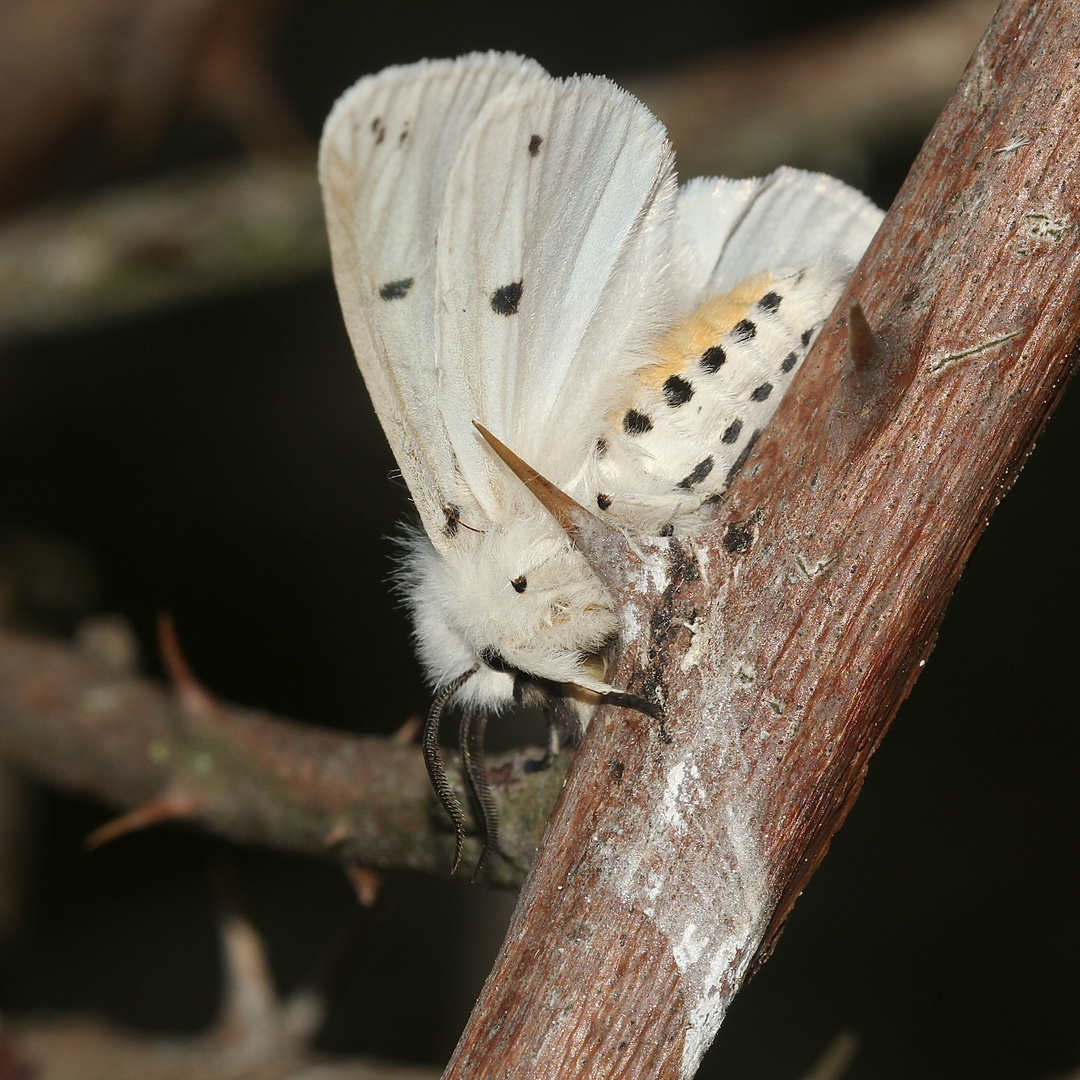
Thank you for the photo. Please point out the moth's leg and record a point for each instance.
(471, 747)
(435, 766)
(566, 718)
(554, 739)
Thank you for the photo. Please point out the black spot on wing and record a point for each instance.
(635, 423)
(601, 447)
(701, 470)
(789, 362)
(520, 583)
(534, 145)
(713, 359)
(603, 501)
(743, 331)
(677, 391)
(505, 300)
(378, 129)
(404, 133)
(806, 336)
(453, 518)
(740, 461)
(731, 432)
(762, 392)
(769, 302)
(395, 290)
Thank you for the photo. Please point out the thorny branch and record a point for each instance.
(73, 719)
(783, 640)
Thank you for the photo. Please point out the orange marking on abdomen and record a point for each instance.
(703, 328)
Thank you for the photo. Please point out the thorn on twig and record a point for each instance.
(406, 734)
(861, 343)
(337, 835)
(873, 379)
(605, 548)
(195, 700)
(169, 807)
(366, 882)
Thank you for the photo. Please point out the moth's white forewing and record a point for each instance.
(561, 192)
(388, 148)
(729, 230)
(508, 248)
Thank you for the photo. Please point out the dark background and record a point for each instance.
(222, 461)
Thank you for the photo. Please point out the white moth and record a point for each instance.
(512, 249)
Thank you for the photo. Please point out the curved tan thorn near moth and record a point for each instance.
(168, 807)
(194, 698)
(861, 344)
(604, 547)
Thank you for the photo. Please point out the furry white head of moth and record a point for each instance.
(512, 249)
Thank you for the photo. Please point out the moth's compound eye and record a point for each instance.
(520, 583)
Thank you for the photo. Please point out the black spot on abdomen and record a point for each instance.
(740, 461)
(505, 300)
(769, 302)
(762, 392)
(731, 432)
(743, 331)
(701, 470)
(713, 359)
(677, 391)
(789, 362)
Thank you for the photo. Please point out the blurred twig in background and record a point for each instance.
(822, 101)
(89, 86)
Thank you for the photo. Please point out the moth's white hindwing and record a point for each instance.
(511, 249)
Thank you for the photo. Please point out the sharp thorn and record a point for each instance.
(861, 344)
(167, 808)
(194, 698)
(366, 883)
(570, 515)
(604, 547)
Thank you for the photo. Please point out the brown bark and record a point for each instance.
(782, 641)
